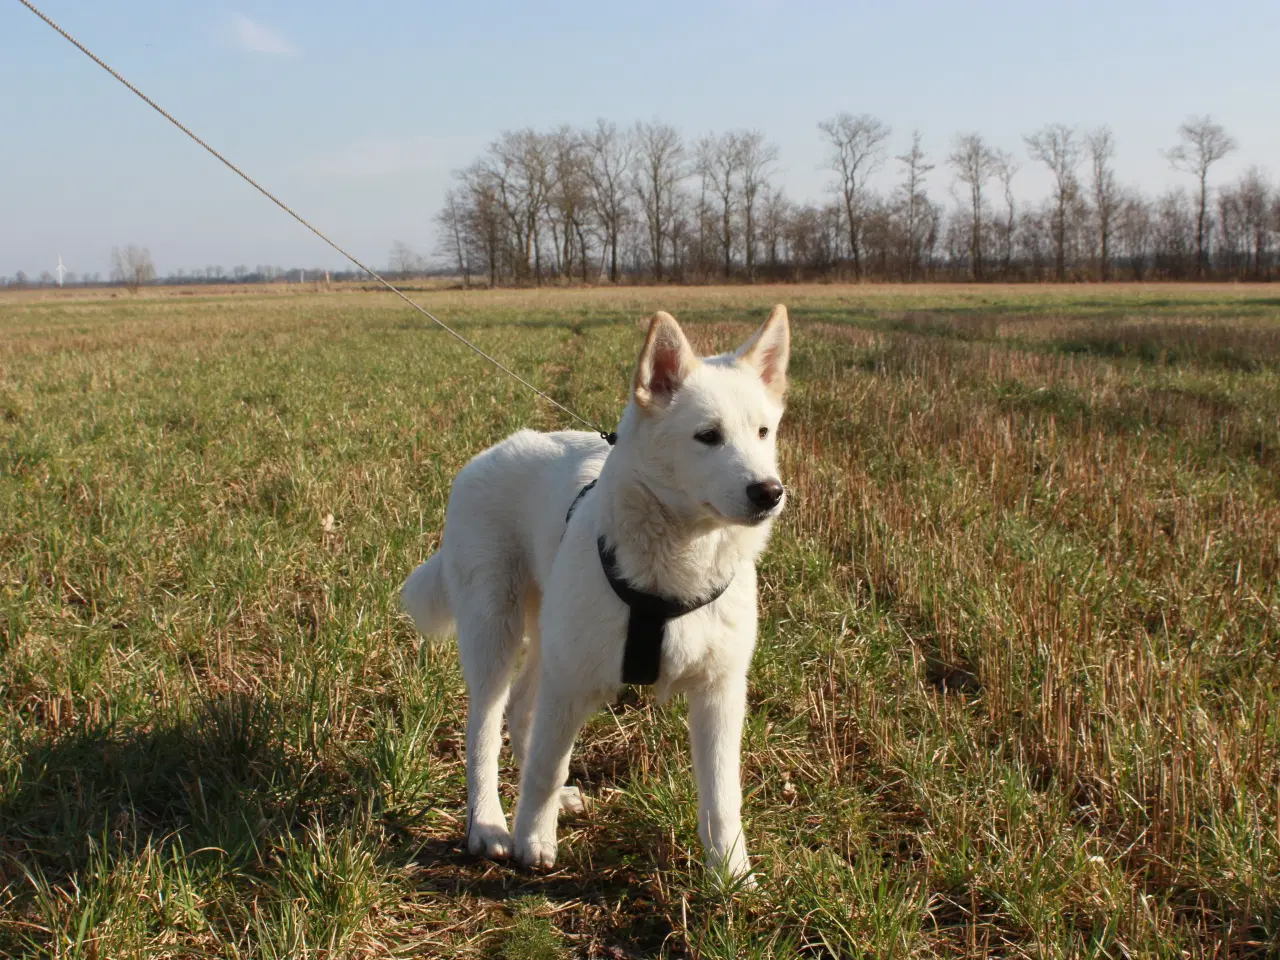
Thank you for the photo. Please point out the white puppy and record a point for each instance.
(681, 508)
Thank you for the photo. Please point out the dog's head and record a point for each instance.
(705, 430)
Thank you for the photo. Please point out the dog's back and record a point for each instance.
(503, 524)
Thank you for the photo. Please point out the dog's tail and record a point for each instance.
(425, 598)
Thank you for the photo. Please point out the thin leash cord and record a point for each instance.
(289, 210)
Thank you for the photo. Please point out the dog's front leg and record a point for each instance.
(558, 716)
(716, 715)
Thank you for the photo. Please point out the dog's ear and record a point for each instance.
(665, 361)
(769, 351)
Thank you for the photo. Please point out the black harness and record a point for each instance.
(650, 612)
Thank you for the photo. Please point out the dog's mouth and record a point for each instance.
(753, 519)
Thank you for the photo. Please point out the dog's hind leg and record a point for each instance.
(520, 708)
(488, 642)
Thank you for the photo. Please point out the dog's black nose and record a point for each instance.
(765, 494)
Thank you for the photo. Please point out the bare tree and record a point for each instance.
(681, 233)
(1134, 231)
(132, 266)
(609, 160)
(405, 261)
(775, 213)
(1231, 253)
(1255, 199)
(486, 219)
(813, 235)
(1274, 225)
(757, 156)
(857, 145)
(455, 242)
(659, 171)
(704, 230)
(1245, 224)
(719, 163)
(1172, 241)
(1006, 169)
(569, 201)
(914, 203)
(1058, 149)
(1203, 144)
(974, 163)
(519, 168)
(1106, 196)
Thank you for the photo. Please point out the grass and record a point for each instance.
(1017, 692)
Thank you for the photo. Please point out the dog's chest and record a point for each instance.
(709, 642)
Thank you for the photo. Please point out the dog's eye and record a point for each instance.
(764, 432)
(711, 437)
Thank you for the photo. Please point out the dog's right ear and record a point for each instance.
(665, 361)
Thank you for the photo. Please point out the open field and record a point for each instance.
(1017, 692)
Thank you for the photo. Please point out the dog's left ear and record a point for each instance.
(769, 351)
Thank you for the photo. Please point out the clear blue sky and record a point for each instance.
(357, 112)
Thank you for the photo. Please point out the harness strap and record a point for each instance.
(574, 506)
(647, 622)
(649, 612)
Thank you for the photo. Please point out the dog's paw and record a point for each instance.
(727, 882)
(733, 873)
(571, 801)
(536, 853)
(489, 840)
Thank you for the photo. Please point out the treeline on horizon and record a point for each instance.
(644, 204)
(133, 267)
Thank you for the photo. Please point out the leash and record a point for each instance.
(608, 436)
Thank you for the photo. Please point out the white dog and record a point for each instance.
(652, 579)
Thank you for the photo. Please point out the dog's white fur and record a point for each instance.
(511, 576)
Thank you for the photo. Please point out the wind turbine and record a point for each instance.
(61, 270)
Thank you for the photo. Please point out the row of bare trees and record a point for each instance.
(608, 203)
(133, 268)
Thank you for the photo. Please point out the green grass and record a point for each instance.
(1017, 691)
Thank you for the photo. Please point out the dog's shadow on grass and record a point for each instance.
(595, 889)
(604, 861)
(223, 777)
(236, 778)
